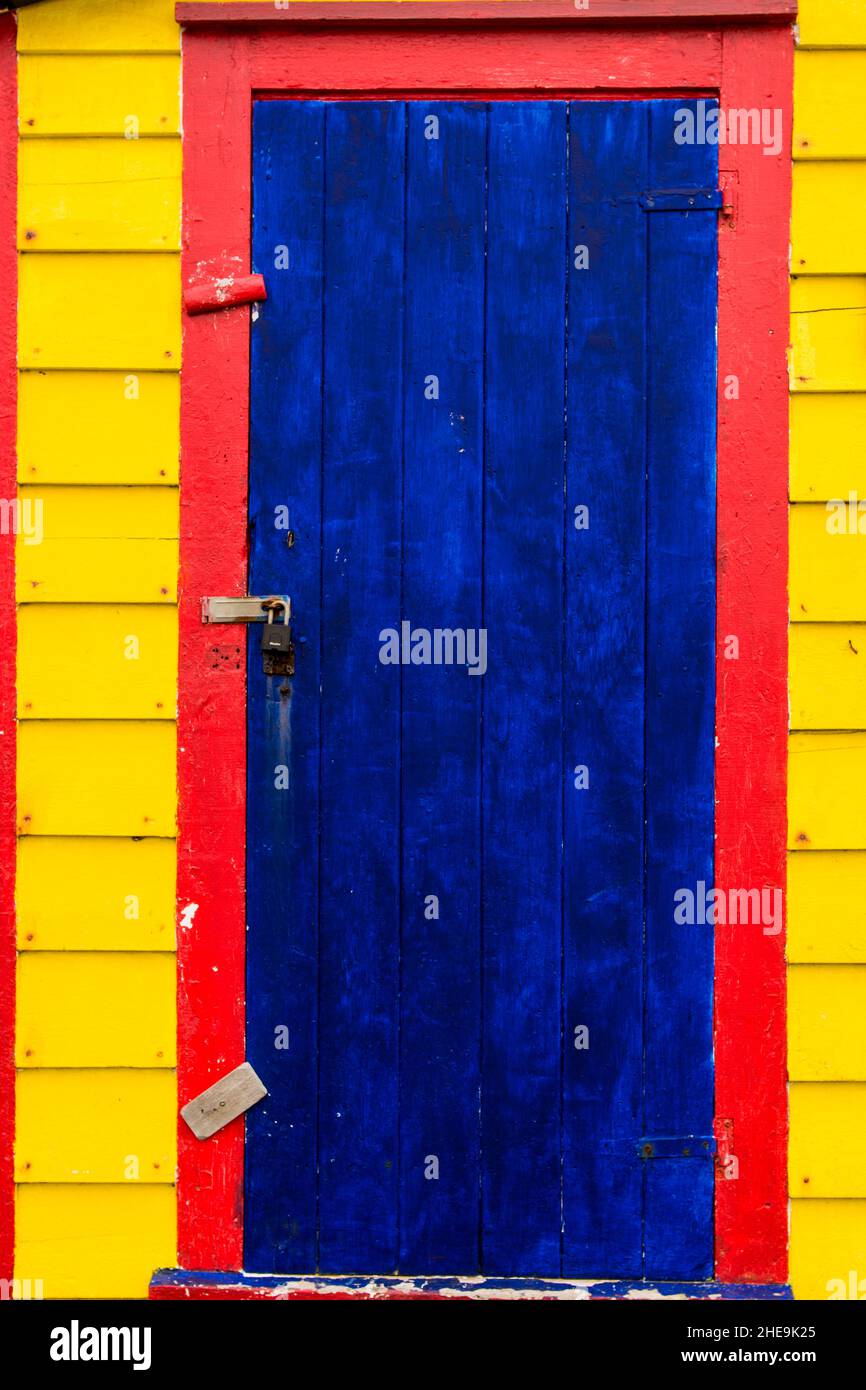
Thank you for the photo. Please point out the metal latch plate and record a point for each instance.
(246, 609)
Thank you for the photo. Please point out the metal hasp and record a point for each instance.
(682, 200)
(245, 609)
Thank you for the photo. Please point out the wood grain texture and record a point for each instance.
(605, 595)
(8, 394)
(523, 695)
(680, 704)
(512, 12)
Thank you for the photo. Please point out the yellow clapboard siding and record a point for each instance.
(95, 1126)
(86, 1240)
(827, 455)
(832, 23)
(826, 805)
(99, 195)
(135, 513)
(826, 1007)
(828, 1139)
(96, 777)
(829, 218)
(97, 662)
(828, 333)
(93, 26)
(828, 98)
(98, 427)
(827, 570)
(827, 907)
(104, 311)
(97, 571)
(95, 1009)
(95, 894)
(828, 675)
(828, 1250)
(123, 96)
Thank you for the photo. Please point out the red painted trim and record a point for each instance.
(224, 293)
(223, 70)
(751, 700)
(405, 12)
(212, 692)
(8, 489)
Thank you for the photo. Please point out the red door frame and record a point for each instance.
(742, 51)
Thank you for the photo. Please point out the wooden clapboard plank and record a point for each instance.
(681, 436)
(442, 540)
(95, 894)
(283, 729)
(103, 26)
(829, 89)
(828, 675)
(94, 661)
(359, 940)
(826, 922)
(94, 1240)
(90, 94)
(828, 1128)
(825, 1011)
(523, 754)
(112, 1125)
(98, 427)
(101, 570)
(96, 777)
(105, 310)
(96, 1009)
(826, 458)
(828, 1243)
(99, 195)
(604, 683)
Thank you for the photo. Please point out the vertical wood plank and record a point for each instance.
(680, 709)
(359, 912)
(283, 714)
(442, 526)
(604, 684)
(523, 756)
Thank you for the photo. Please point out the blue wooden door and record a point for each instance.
(482, 463)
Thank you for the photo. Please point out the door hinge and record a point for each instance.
(661, 1146)
(682, 200)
